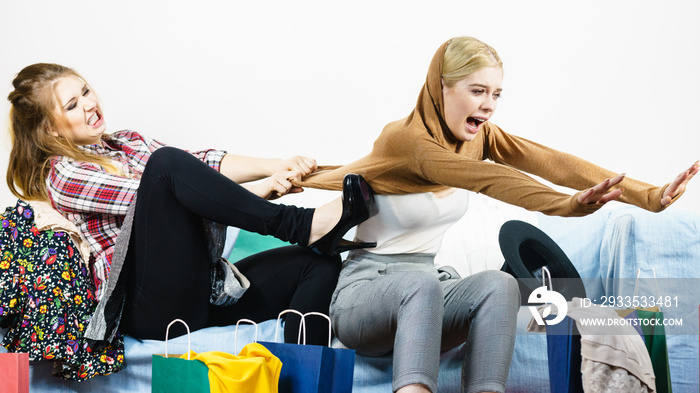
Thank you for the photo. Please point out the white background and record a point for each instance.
(615, 82)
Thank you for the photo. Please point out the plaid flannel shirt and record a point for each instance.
(96, 201)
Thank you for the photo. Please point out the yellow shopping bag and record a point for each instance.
(253, 370)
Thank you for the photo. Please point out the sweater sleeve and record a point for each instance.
(496, 180)
(564, 169)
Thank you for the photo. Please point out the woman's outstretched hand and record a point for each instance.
(601, 193)
(678, 185)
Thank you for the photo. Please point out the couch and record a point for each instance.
(609, 249)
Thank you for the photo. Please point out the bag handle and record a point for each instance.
(302, 324)
(189, 342)
(235, 334)
(301, 339)
(547, 274)
(329, 325)
(656, 284)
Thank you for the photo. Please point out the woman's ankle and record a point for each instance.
(325, 218)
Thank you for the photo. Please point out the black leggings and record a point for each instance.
(167, 265)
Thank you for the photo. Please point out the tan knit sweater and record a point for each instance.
(419, 154)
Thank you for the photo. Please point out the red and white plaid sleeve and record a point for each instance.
(80, 187)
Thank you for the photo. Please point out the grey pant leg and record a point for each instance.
(482, 309)
(400, 311)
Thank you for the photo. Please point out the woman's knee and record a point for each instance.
(369, 318)
(502, 288)
(165, 157)
(168, 159)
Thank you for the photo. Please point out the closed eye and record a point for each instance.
(74, 102)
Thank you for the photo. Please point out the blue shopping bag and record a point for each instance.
(313, 368)
(564, 356)
(305, 368)
(343, 370)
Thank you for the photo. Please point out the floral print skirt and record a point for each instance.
(47, 299)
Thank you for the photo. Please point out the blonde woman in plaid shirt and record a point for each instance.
(154, 246)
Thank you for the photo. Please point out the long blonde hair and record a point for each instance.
(466, 55)
(33, 117)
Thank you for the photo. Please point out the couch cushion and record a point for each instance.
(249, 243)
(666, 244)
(580, 238)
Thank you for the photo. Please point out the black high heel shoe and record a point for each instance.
(358, 206)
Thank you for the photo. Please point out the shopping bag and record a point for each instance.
(564, 357)
(172, 373)
(313, 368)
(654, 335)
(14, 372)
(253, 370)
(563, 351)
(655, 340)
(632, 315)
(343, 364)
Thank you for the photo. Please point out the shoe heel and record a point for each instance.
(341, 246)
(346, 245)
(358, 206)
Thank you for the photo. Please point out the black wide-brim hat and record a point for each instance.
(526, 249)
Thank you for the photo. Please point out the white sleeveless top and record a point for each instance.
(412, 223)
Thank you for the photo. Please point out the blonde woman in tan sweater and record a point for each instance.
(392, 298)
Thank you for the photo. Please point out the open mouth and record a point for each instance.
(94, 119)
(475, 121)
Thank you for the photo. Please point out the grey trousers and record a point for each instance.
(402, 303)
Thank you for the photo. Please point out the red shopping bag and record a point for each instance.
(14, 373)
